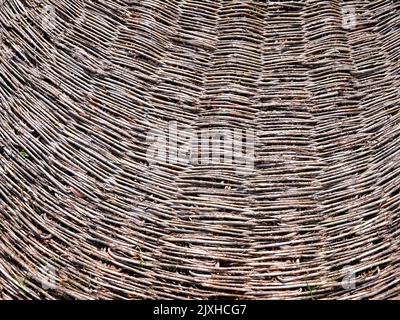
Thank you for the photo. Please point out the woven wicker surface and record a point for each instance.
(84, 215)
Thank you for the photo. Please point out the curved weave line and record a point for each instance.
(84, 215)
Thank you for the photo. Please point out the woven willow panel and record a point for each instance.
(306, 206)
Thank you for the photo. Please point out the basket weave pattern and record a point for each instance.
(81, 209)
